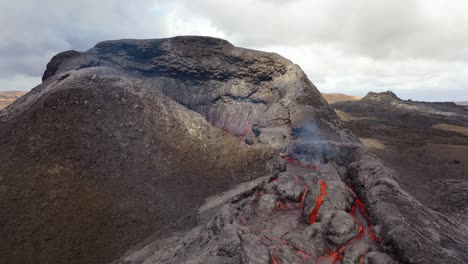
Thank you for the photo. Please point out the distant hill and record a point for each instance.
(339, 97)
(464, 104)
(388, 106)
(9, 97)
(425, 142)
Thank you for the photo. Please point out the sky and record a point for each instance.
(416, 48)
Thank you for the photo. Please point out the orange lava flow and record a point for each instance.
(274, 259)
(362, 218)
(313, 215)
(359, 212)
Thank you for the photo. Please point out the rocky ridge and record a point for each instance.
(120, 141)
(389, 106)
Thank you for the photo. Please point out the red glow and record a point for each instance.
(245, 132)
(372, 236)
(313, 215)
(274, 236)
(361, 260)
(360, 203)
(323, 188)
(335, 256)
(297, 163)
(359, 212)
(272, 179)
(362, 218)
(274, 260)
(282, 205)
(285, 206)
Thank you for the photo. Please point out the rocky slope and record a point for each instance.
(120, 141)
(126, 140)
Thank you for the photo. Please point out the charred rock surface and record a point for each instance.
(120, 141)
(90, 165)
(256, 96)
(269, 223)
(127, 139)
(410, 230)
(265, 222)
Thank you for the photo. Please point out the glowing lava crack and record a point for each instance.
(318, 203)
(304, 215)
(275, 217)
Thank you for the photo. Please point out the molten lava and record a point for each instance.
(313, 215)
(276, 234)
(359, 212)
(274, 260)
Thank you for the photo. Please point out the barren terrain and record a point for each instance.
(339, 97)
(6, 98)
(430, 151)
(192, 150)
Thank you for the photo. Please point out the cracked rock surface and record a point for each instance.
(127, 139)
(262, 225)
(123, 143)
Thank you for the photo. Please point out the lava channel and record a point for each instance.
(359, 212)
(318, 203)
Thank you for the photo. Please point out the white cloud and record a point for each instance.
(19, 82)
(417, 48)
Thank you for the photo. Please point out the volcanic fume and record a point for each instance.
(201, 152)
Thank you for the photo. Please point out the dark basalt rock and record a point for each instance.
(56, 61)
(126, 141)
(120, 141)
(378, 258)
(234, 89)
(341, 228)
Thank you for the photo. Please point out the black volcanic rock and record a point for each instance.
(235, 89)
(58, 59)
(89, 161)
(126, 141)
(121, 141)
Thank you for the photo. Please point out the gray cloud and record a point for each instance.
(411, 46)
(33, 31)
(379, 28)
